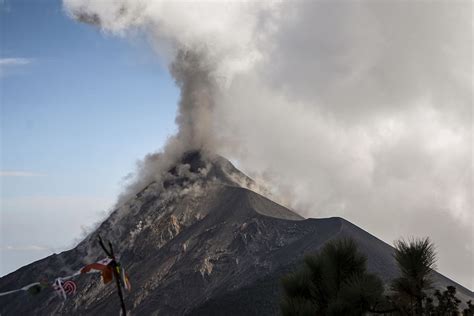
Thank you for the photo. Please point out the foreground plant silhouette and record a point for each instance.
(416, 260)
(333, 282)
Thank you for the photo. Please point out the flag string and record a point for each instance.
(25, 288)
(64, 285)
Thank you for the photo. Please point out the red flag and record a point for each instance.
(103, 266)
(64, 287)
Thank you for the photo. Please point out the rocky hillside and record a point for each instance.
(199, 243)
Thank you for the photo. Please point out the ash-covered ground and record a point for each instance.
(197, 243)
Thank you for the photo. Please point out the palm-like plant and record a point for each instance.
(333, 282)
(416, 260)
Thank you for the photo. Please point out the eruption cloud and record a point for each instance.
(354, 109)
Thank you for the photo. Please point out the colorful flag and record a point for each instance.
(64, 288)
(103, 266)
(124, 278)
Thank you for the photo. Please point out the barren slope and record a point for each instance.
(200, 244)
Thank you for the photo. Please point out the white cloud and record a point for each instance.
(26, 248)
(5, 62)
(361, 109)
(51, 204)
(9, 65)
(32, 227)
(20, 174)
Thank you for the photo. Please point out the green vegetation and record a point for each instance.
(416, 260)
(336, 282)
(333, 282)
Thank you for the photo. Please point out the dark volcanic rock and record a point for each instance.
(198, 244)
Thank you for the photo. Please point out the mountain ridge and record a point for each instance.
(199, 243)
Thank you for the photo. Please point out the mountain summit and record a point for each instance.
(197, 243)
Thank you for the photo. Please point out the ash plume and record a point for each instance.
(354, 109)
(200, 58)
(194, 120)
(194, 78)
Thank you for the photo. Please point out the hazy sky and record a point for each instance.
(360, 109)
(71, 128)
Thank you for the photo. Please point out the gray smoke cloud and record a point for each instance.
(354, 109)
(194, 78)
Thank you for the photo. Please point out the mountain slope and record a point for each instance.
(196, 244)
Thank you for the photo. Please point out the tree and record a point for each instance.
(448, 303)
(333, 282)
(416, 260)
(469, 311)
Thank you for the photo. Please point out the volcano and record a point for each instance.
(199, 242)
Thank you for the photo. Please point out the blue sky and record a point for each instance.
(78, 109)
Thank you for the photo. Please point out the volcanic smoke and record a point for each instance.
(356, 109)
